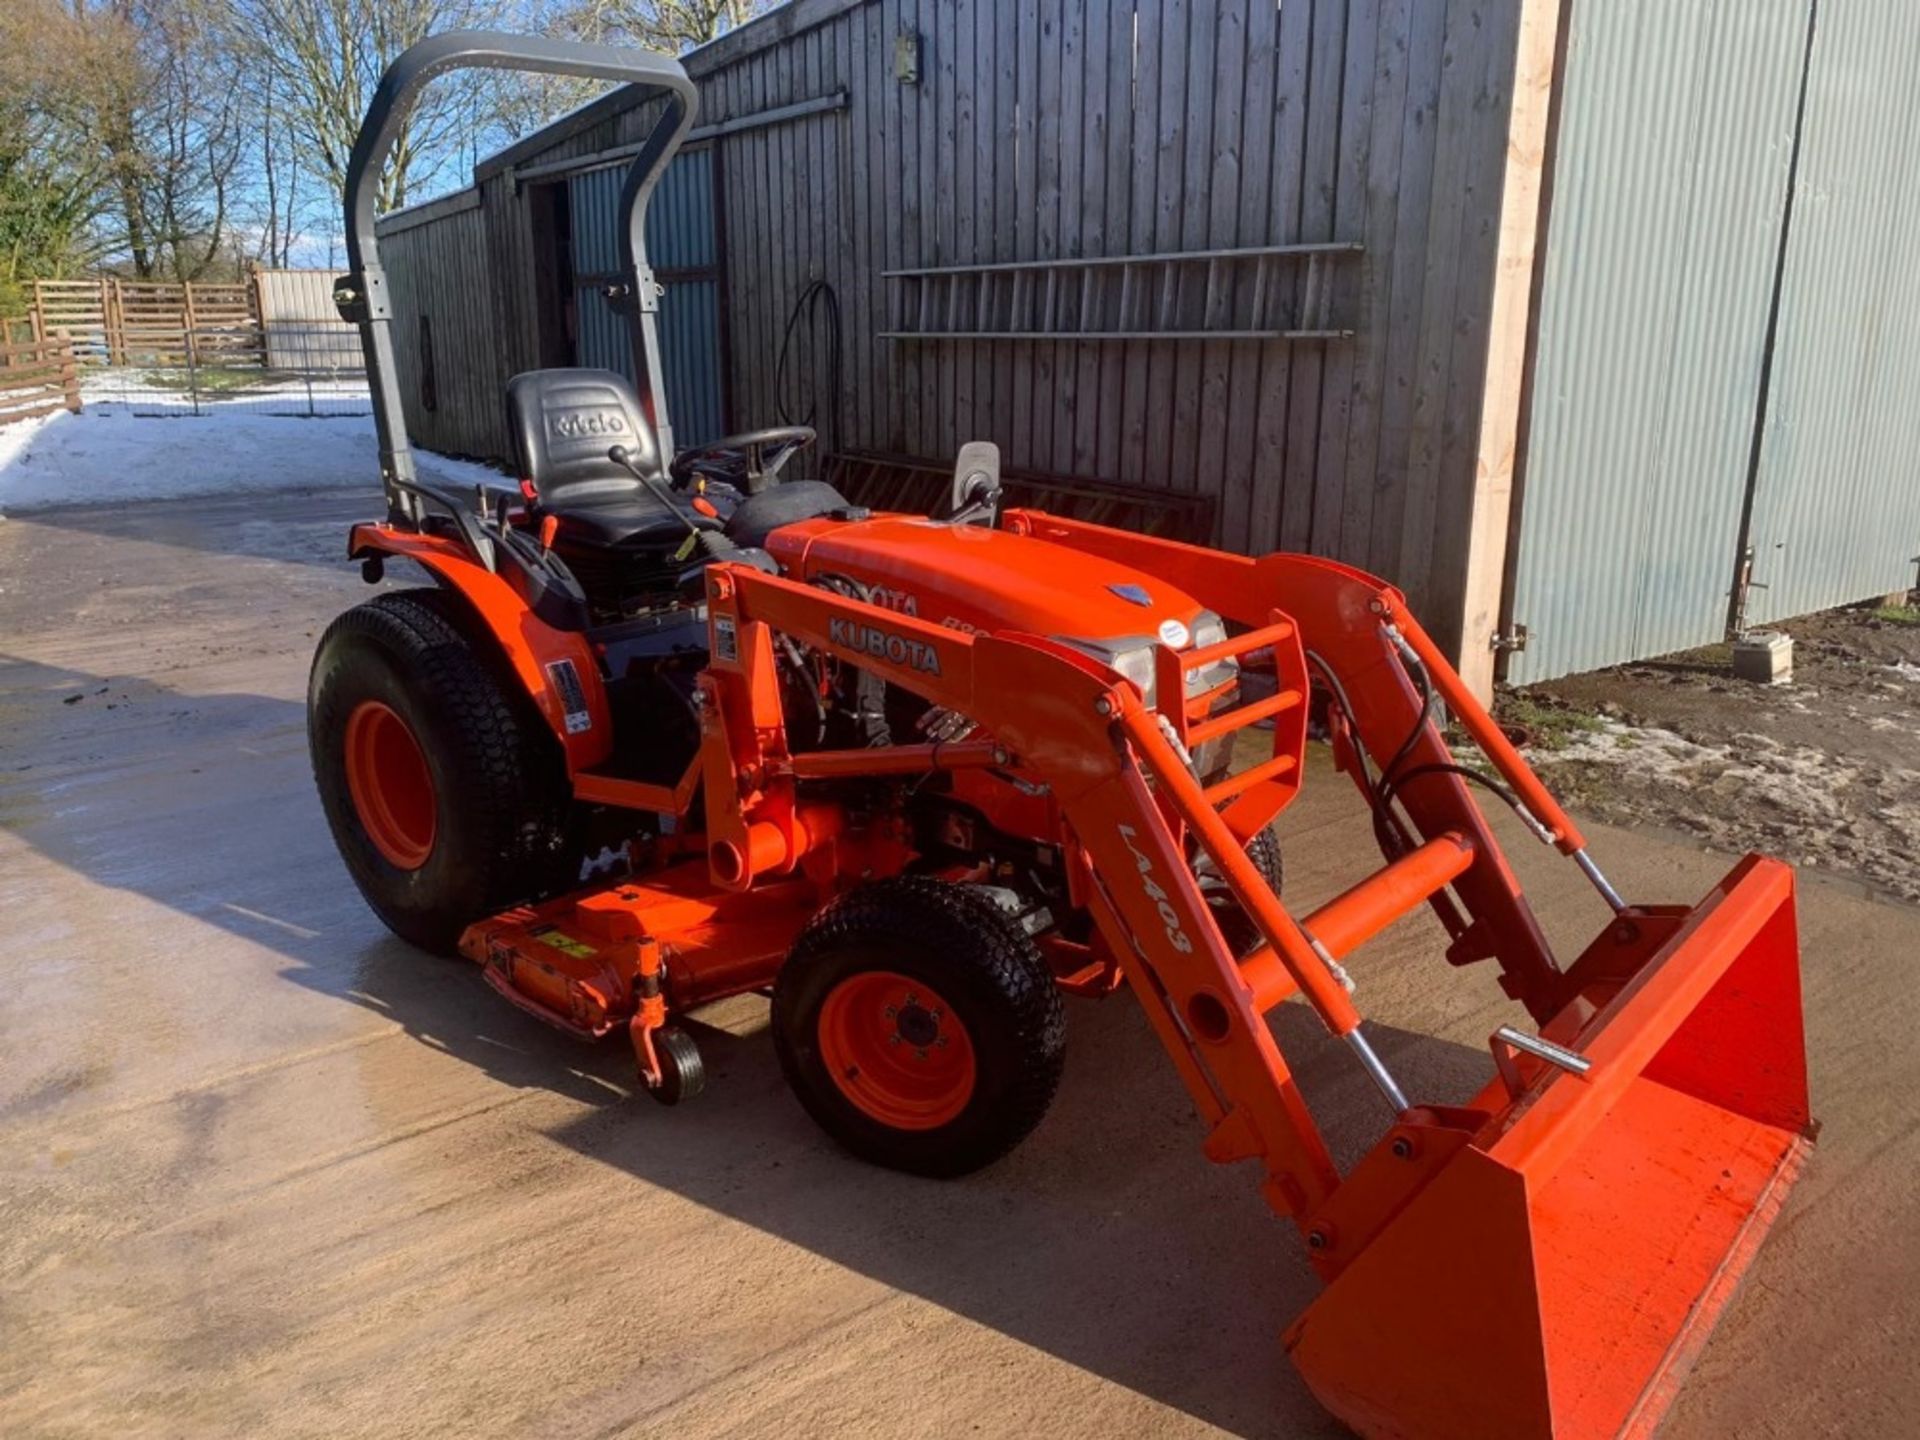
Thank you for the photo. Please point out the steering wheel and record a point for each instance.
(749, 462)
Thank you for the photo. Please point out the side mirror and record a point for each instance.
(976, 483)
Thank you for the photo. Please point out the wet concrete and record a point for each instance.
(266, 1170)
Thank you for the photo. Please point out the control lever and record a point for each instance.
(711, 541)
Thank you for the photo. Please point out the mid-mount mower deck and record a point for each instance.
(917, 777)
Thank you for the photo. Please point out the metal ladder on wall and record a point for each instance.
(1254, 293)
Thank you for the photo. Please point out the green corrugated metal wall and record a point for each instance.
(1671, 223)
(1670, 182)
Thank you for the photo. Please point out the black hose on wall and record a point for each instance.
(822, 410)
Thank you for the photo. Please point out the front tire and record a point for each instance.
(446, 795)
(919, 1026)
(1236, 926)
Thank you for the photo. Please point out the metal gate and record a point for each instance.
(1670, 181)
(683, 249)
(1836, 505)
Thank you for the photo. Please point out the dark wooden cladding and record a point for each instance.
(1069, 129)
(442, 271)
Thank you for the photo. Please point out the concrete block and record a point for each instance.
(1765, 657)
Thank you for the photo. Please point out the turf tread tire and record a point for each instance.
(499, 782)
(1264, 850)
(965, 946)
(1236, 926)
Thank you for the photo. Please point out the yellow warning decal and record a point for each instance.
(556, 939)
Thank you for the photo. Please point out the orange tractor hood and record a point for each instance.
(967, 577)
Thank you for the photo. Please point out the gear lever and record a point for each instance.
(711, 541)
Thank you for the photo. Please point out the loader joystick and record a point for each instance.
(699, 537)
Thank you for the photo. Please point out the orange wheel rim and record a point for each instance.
(896, 1050)
(390, 785)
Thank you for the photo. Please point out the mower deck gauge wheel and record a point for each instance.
(683, 1074)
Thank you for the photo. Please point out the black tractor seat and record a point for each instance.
(622, 541)
(564, 423)
(618, 537)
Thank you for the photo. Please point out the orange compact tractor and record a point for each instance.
(918, 776)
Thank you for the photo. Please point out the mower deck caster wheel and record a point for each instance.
(683, 1074)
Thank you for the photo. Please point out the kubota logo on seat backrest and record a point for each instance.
(882, 645)
(1169, 917)
(585, 424)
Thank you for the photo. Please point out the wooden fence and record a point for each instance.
(37, 377)
(129, 322)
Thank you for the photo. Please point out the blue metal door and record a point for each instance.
(683, 249)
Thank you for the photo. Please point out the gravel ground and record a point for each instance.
(1824, 771)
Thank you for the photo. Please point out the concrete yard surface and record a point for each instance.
(269, 1171)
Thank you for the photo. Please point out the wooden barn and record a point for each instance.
(1267, 274)
(1235, 258)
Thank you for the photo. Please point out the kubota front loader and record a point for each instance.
(1542, 1262)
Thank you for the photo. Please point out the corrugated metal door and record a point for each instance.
(683, 249)
(303, 328)
(1670, 176)
(1836, 509)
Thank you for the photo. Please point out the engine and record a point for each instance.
(968, 578)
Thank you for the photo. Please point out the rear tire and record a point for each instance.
(919, 1026)
(446, 794)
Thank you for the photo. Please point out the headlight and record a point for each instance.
(1138, 666)
(1130, 658)
(1133, 657)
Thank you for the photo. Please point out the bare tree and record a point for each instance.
(279, 190)
(520, 104)
(53, 192)
(190, 137)
(193, 125)
(667, 25)
(108, 83)
(154, 111)
(323, 59)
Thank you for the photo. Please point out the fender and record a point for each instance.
(540, 655)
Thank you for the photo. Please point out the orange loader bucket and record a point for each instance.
(1580, 1230)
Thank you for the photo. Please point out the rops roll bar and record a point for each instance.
(361, 295)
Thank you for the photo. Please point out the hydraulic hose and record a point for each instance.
(818, 294)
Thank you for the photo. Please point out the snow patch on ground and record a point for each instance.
(1905, 669)
(1812, 805)
(105, 455)
(1755, 767)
